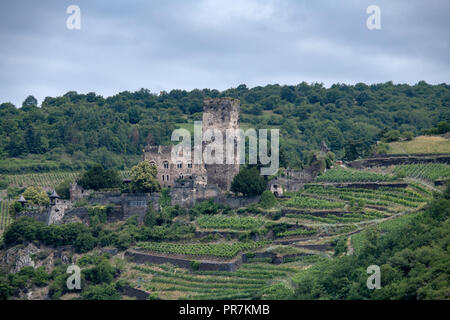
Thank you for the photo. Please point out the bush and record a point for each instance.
(249, 182)
(14, 208)
(267, 200)
(36, 196)
(98, 178)
(103, 272)
(150, 216)
(205, 207)
(63, 189)
(195, 265)
(101, 292)
(165, 199)
(391, 136)
(143, 178)
(3, 183)
(85, 242)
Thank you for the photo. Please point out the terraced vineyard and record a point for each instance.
(300, 201)
(5, 219)
(429, 171)
(332, 219)
(385, 196)
(249, 281)
(44, 180)
(221, 250)
(351, 175)
(47, 180)
(229, 222)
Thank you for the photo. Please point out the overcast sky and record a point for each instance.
(168, 44)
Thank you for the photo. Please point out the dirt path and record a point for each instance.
(350, 249)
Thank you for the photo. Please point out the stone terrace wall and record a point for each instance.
(230, 265)
(398, 160)
(140, 257)
(38, 216)
(125, 205)
(188, 195)
(364, 185)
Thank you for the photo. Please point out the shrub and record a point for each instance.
(249, 182)
(267, 200)
(63, 189)
(195, 265)
(3, 183)
(165, 199)
(103, 272)
(85, 242)
(98, 178)
(101, 292)
(36, 196)
(143, 178)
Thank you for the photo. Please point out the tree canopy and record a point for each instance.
(143, 178)
(97, 178)
(249, 182)
(74, 131)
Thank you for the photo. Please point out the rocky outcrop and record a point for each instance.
(19, 257)
(16, 258)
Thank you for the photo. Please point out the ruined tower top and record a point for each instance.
(221, 113)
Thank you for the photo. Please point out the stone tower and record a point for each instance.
(222, 114)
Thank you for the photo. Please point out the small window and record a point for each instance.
(153, 163)
(163, 177)
(190, 165)
(166, 165)
(167, 176)
(179, 165)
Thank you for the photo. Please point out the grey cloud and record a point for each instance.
(161, 45)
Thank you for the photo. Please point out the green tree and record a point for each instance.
(36, 196)
(268, 200)
(63, 189)
(143, 178)
(30, 101)
(249, 182)
(98, 178)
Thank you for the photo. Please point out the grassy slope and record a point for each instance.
(421, 144)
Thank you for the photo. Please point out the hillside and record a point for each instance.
(75, 130)
(412, 252)
(280, 248)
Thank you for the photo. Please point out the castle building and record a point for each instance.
(218, 114)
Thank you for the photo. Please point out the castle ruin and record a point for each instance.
(219, 114)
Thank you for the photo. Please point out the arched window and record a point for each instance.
(189, 165)
(153, 163)
(166, 164)
(179, 165)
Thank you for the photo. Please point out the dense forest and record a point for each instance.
(75, 131)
